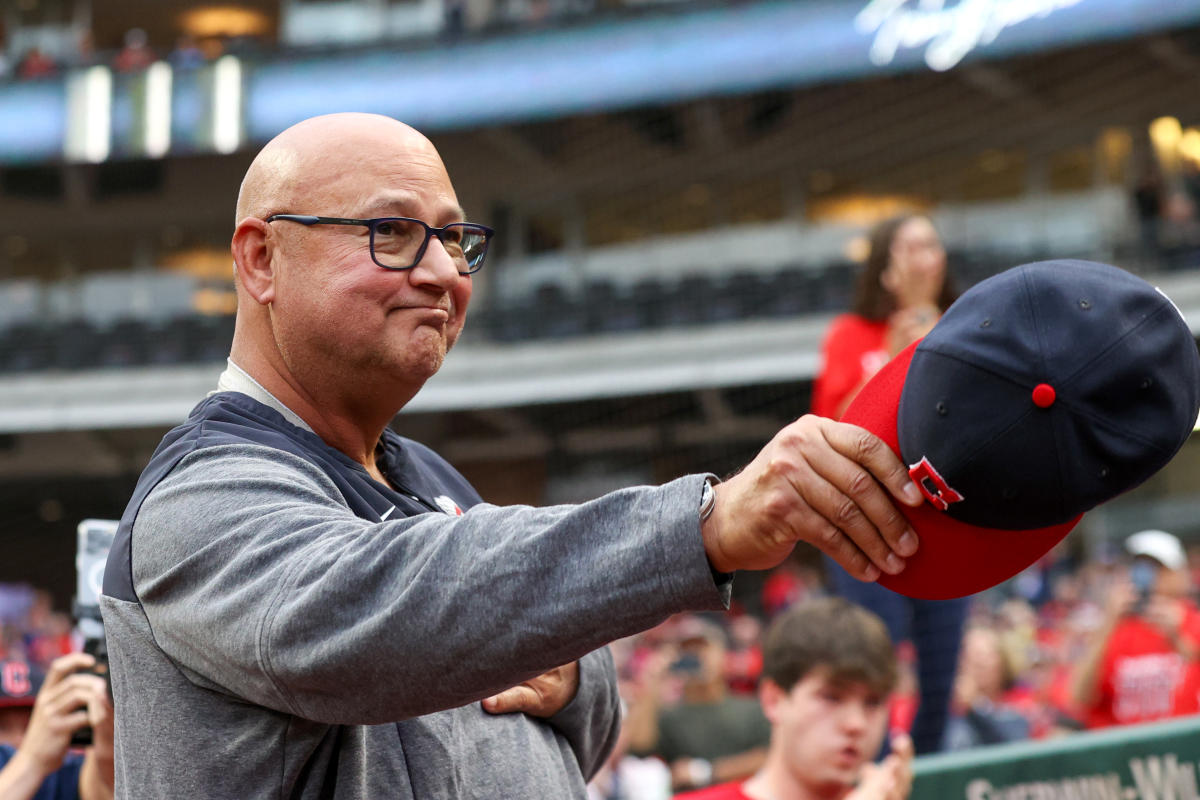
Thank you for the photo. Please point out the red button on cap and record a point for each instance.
(1043, 395)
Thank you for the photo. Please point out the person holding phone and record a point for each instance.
(711, 735)
(1144, 660)
(36, 759)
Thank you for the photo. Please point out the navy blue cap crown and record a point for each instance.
(1046, 390)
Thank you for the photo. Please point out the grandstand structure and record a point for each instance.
(681, 190)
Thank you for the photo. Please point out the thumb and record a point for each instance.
(902, 745)
(518, 698)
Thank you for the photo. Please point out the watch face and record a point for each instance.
(708, 499)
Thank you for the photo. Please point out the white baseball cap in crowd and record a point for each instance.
(1163, 547)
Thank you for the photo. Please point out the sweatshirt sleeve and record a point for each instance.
(258, 581)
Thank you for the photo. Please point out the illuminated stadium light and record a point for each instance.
(227, 104)
(89, 115)
(1165, 132)
(1189, 145)
(158, 109)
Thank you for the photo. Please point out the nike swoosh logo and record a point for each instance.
(386, 514)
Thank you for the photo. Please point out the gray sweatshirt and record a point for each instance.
(271, 636)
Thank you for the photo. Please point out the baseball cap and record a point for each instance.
(1042, 392)
(1159, 545)
(19, 683)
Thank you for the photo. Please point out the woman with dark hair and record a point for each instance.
(902, 292)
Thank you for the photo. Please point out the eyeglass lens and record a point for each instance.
(398, 241)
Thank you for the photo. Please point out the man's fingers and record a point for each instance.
(99, 709)
(851, 500)
(77, 695)
(864, 447)
(74, 721)
(850, 497)
(61, 667)
(518, 698)
(838, 528)
(865, 462)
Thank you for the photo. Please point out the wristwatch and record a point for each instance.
(708, 498)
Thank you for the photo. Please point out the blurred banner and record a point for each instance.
(1143, 762)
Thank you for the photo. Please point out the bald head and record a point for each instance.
(324, 156)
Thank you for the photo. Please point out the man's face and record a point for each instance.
(337, 312)
(827, 730)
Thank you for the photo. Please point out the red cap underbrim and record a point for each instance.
(955, 559)
(17, 702)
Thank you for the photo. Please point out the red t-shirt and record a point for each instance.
(853, 350)
(1143, 678)
(724, 791)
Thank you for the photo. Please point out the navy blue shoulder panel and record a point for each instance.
(424, 481)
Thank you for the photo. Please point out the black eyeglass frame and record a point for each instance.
(372, 224)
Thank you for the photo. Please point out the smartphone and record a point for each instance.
(1143, 576)
(686, 664)
(93, 541)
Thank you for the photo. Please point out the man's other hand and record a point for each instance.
(543, 696)
(822, 482)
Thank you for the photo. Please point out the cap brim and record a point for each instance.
(18, 702)
(954, 559)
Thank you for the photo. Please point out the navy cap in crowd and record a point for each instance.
(19, 683)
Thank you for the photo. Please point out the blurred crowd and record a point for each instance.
(1167, 205)
(31, 629)
(1040, 657)
(689, 684)
(135, 54)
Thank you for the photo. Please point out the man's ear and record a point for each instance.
(770, 696)
(252, 250)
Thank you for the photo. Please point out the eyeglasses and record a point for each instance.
(400, 242)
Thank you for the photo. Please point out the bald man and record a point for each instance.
(300, 603)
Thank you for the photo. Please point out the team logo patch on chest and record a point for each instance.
(448, 505)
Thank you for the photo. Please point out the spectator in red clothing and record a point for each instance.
(1143, 661)
(136, 55)
(903, 289)
(36, 64)
(828, 669)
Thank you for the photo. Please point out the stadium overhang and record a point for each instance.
(591, 67)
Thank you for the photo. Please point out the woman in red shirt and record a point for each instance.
(901, 292)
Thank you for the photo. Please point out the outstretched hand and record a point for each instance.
(822, 482)
(543, 696)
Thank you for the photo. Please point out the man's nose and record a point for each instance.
(436, 267)
(854, 716)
